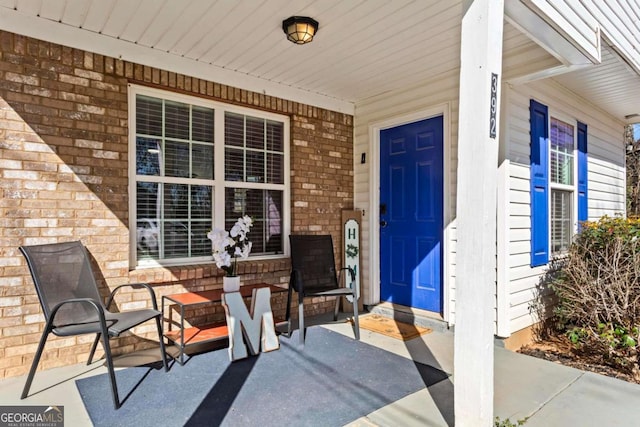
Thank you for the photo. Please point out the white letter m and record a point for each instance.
(258, 326)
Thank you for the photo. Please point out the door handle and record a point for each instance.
(383, 223)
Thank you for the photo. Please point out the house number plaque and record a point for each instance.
(493, 107)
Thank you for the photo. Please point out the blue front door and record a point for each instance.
(411, 219)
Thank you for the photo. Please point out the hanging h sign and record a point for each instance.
(351, 246)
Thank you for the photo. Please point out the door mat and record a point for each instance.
(390, 327)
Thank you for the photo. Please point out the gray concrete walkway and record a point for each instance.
(544, 393)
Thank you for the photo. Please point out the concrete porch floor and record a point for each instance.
(545, 393)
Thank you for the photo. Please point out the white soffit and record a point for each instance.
(523, 57)
(611, 84)
(573, 21)
(362, 49)
(67, 35)
(620, 96)
(567, 50)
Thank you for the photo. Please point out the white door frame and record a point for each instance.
(374, 190)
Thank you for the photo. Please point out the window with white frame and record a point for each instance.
(559, 182)
(562, 184)
(198, 165)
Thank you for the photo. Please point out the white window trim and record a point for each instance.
(564, 187)
(219, 184)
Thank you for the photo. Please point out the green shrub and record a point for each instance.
(507, 422)
(598, 289)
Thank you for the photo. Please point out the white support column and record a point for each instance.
(480, 72)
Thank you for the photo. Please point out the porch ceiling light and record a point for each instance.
(300, 29)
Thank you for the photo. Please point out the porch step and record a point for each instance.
(413, 316)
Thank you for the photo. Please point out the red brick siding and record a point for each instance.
(64, 176)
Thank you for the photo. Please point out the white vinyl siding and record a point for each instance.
(436, 96)
(522, 57)
(606, 182)
(620, 24)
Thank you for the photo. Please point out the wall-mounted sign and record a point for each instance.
(351, 248)
(493, 107)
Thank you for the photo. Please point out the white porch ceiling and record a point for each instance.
(363, 48)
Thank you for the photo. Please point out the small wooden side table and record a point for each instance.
(184, 337)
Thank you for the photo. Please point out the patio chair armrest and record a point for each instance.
(134, 286)
(90, 301)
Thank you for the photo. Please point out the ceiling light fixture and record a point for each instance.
(300, 29)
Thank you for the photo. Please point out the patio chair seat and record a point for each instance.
(333, 292)
(117, 323)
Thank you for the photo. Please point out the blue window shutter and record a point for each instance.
(583, 211)
(539, 122)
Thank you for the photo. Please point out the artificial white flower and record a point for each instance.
(243, 252)
(228, 246)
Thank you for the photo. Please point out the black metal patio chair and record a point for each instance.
(72, 305)
(313, 274)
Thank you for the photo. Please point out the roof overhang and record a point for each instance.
(363, 50)
(66, 35)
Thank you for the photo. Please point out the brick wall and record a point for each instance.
(63, 176)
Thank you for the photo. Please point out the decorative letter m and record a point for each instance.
(257, 327)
